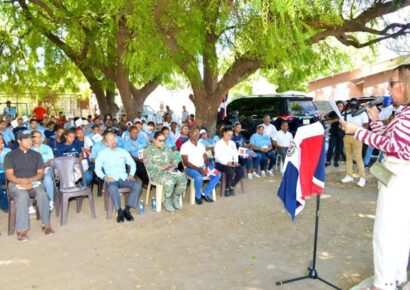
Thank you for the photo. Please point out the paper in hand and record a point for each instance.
(336, 109)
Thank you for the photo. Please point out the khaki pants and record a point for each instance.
(353, 147)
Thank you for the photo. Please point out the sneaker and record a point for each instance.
(271, 172)
(327, 163)
(336, 164)
(256, 175)
(263, 173)
(250, 176)
(347, 179)
(362, 182)
(51, 205)
(31, 210)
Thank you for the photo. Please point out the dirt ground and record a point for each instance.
(242, 242)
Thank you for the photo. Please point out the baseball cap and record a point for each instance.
(259, 125)
(202, 131)
(24, 134)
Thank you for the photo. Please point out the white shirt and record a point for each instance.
(385, 113)
(225, 153)
(88, 143)
(270, 130)
(195, 153)
(283, 139)
(359, 120)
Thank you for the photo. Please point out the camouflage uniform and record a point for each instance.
(156, 158)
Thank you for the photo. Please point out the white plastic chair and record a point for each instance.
(192, 189)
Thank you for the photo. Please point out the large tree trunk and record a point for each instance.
(206, 110)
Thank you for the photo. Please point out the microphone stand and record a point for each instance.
(312, 268)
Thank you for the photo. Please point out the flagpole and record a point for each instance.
(312, 268)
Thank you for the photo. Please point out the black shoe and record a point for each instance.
(128, 216)
(336, 164)
(227, 192)
(232, 190)
(327, 163)
(120, 217)
(207, 198)
(198, 201)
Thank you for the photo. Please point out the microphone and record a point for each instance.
(376, 102)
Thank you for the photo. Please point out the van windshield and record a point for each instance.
(302, 107)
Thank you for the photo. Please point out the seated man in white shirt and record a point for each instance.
(196, 166)
(226, 158)
(283, 140)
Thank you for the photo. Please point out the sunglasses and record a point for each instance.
(391, 83)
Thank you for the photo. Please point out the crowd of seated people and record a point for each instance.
(117, 152)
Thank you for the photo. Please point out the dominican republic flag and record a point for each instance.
(222, 107)
(304, 168)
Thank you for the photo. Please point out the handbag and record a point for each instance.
(382, 173)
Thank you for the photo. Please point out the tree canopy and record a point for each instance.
(132, 46)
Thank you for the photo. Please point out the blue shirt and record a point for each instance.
(260, 140)
(97, 148)
(45, 151)
(49, 133)
(133, 146)
(68, 150)
(10, 112)
(120, 141)
(2, 155)
(239, 140)
(8, 136)
(170, 142)
(113, 163)
(54, 144)
(207, 142)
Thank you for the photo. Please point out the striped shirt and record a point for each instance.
(393, 139)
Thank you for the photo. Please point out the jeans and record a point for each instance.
(264, 159)
(48, 182)
(257, 160)
(89, 177)
(368, 155)
(113, 187)
(198, 181)
(336, 145)
(245, 162)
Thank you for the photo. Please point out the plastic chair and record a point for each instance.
(12, 213)
(68, 188)
(192, 189)
(158, 193)
(108, 204)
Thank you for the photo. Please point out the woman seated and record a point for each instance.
(184, 136)
(240, 141)
(226, 157)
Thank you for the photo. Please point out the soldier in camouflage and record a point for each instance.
(161, 163)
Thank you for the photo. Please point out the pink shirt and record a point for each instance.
(393, 139)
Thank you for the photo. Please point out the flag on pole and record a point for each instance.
(223, 106)
(304, 168)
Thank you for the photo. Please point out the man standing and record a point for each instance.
(10, 111)
(353, 147)
(196, 166)
(185, 115)
(269, 129)
(110, 166)
(283, 140)
(25, 170)
(162, 166)
(39, 112)
(336, 136)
